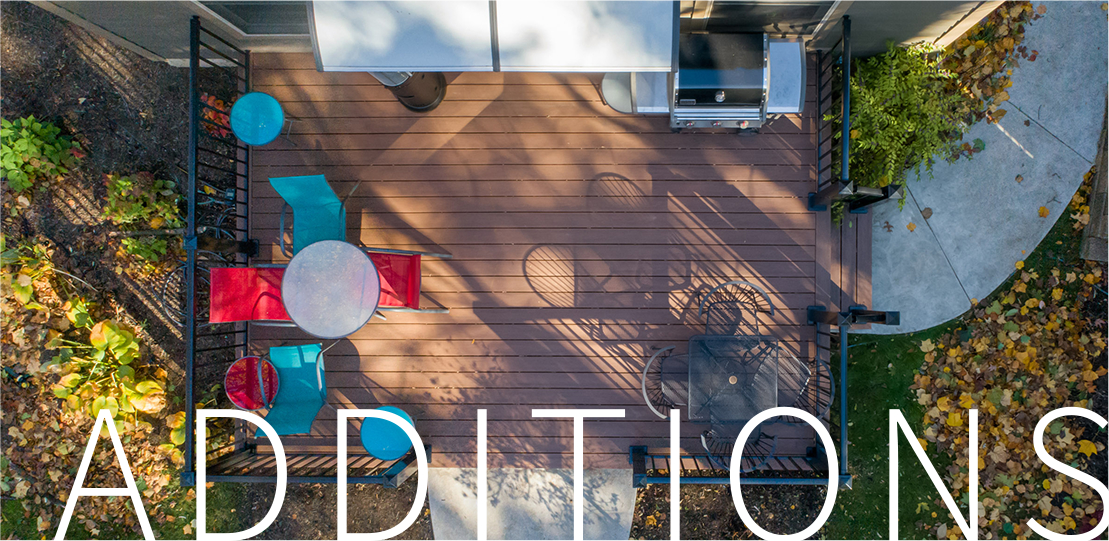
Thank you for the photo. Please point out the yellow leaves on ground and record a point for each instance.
(944, 403)
(927, 346)
(983, 59)
(1020, 264)
(1043, 212)
(966, 402)
(954, 419)
(1087, 447)
(911, 227)
(650, 521)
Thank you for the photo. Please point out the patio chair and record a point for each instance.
(301, 389)
(816, 395)
(399, 273)
(247, 294)
(719, 441)
(318, 214)
(665, 381)
(733, 308)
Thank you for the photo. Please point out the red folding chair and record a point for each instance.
(399, 272)
(247, 294)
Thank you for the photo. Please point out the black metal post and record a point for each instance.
(188, 476)
(844, 477)
(845, 136)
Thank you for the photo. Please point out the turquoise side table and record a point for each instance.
(257, 118)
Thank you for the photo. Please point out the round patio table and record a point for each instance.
(257, 118)
(385, 440)
(330, 289)
(251, 383)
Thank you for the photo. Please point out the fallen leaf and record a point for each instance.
(1087, 447)
(1020, 178)
(927, 346)
(1020, 264)
(911, 227)
(1041, 9)
(944, 403)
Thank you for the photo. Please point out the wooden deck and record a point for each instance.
(581, 238)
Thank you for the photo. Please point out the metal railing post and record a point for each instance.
(188, 475)
(845, 136)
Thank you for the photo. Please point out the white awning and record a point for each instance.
(530, 35)
(402, 36)
(585, 36)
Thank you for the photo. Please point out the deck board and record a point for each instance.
(582, 238)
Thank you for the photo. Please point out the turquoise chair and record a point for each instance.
(318, 214)
(301, 388)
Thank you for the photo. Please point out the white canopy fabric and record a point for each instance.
(585, 36)
(451, 35)
(530, 35)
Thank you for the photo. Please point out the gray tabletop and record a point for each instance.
(330, 289)
(732, 378)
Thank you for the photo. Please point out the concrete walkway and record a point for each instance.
(982, 220)
(531, 503)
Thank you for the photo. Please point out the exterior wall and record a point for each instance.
(873, 23)
(159, 30)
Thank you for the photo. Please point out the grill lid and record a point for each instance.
(721, 69)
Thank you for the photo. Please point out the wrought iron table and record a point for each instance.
(330, 289)
(731, 378)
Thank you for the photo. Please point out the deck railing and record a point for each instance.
(833, 109)
(647, 465)
(217, 235)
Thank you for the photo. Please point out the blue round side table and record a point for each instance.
(257, 118)
(385, 440)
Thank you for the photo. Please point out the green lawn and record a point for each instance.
(881, 368)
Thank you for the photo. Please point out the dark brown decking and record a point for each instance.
(581, 238)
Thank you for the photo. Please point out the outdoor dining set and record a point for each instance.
(732, 373)
(329, 289)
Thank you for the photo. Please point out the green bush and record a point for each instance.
(31, 150)
(903, 113)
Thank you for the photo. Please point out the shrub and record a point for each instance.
(143, 200)
(31, 150)
(903, 113)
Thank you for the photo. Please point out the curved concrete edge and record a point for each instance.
(982, 219)
(531, 503)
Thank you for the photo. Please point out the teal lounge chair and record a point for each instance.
(318, 214)
(301, 388)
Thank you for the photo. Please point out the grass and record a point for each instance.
(223, 499)
(881, 368)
